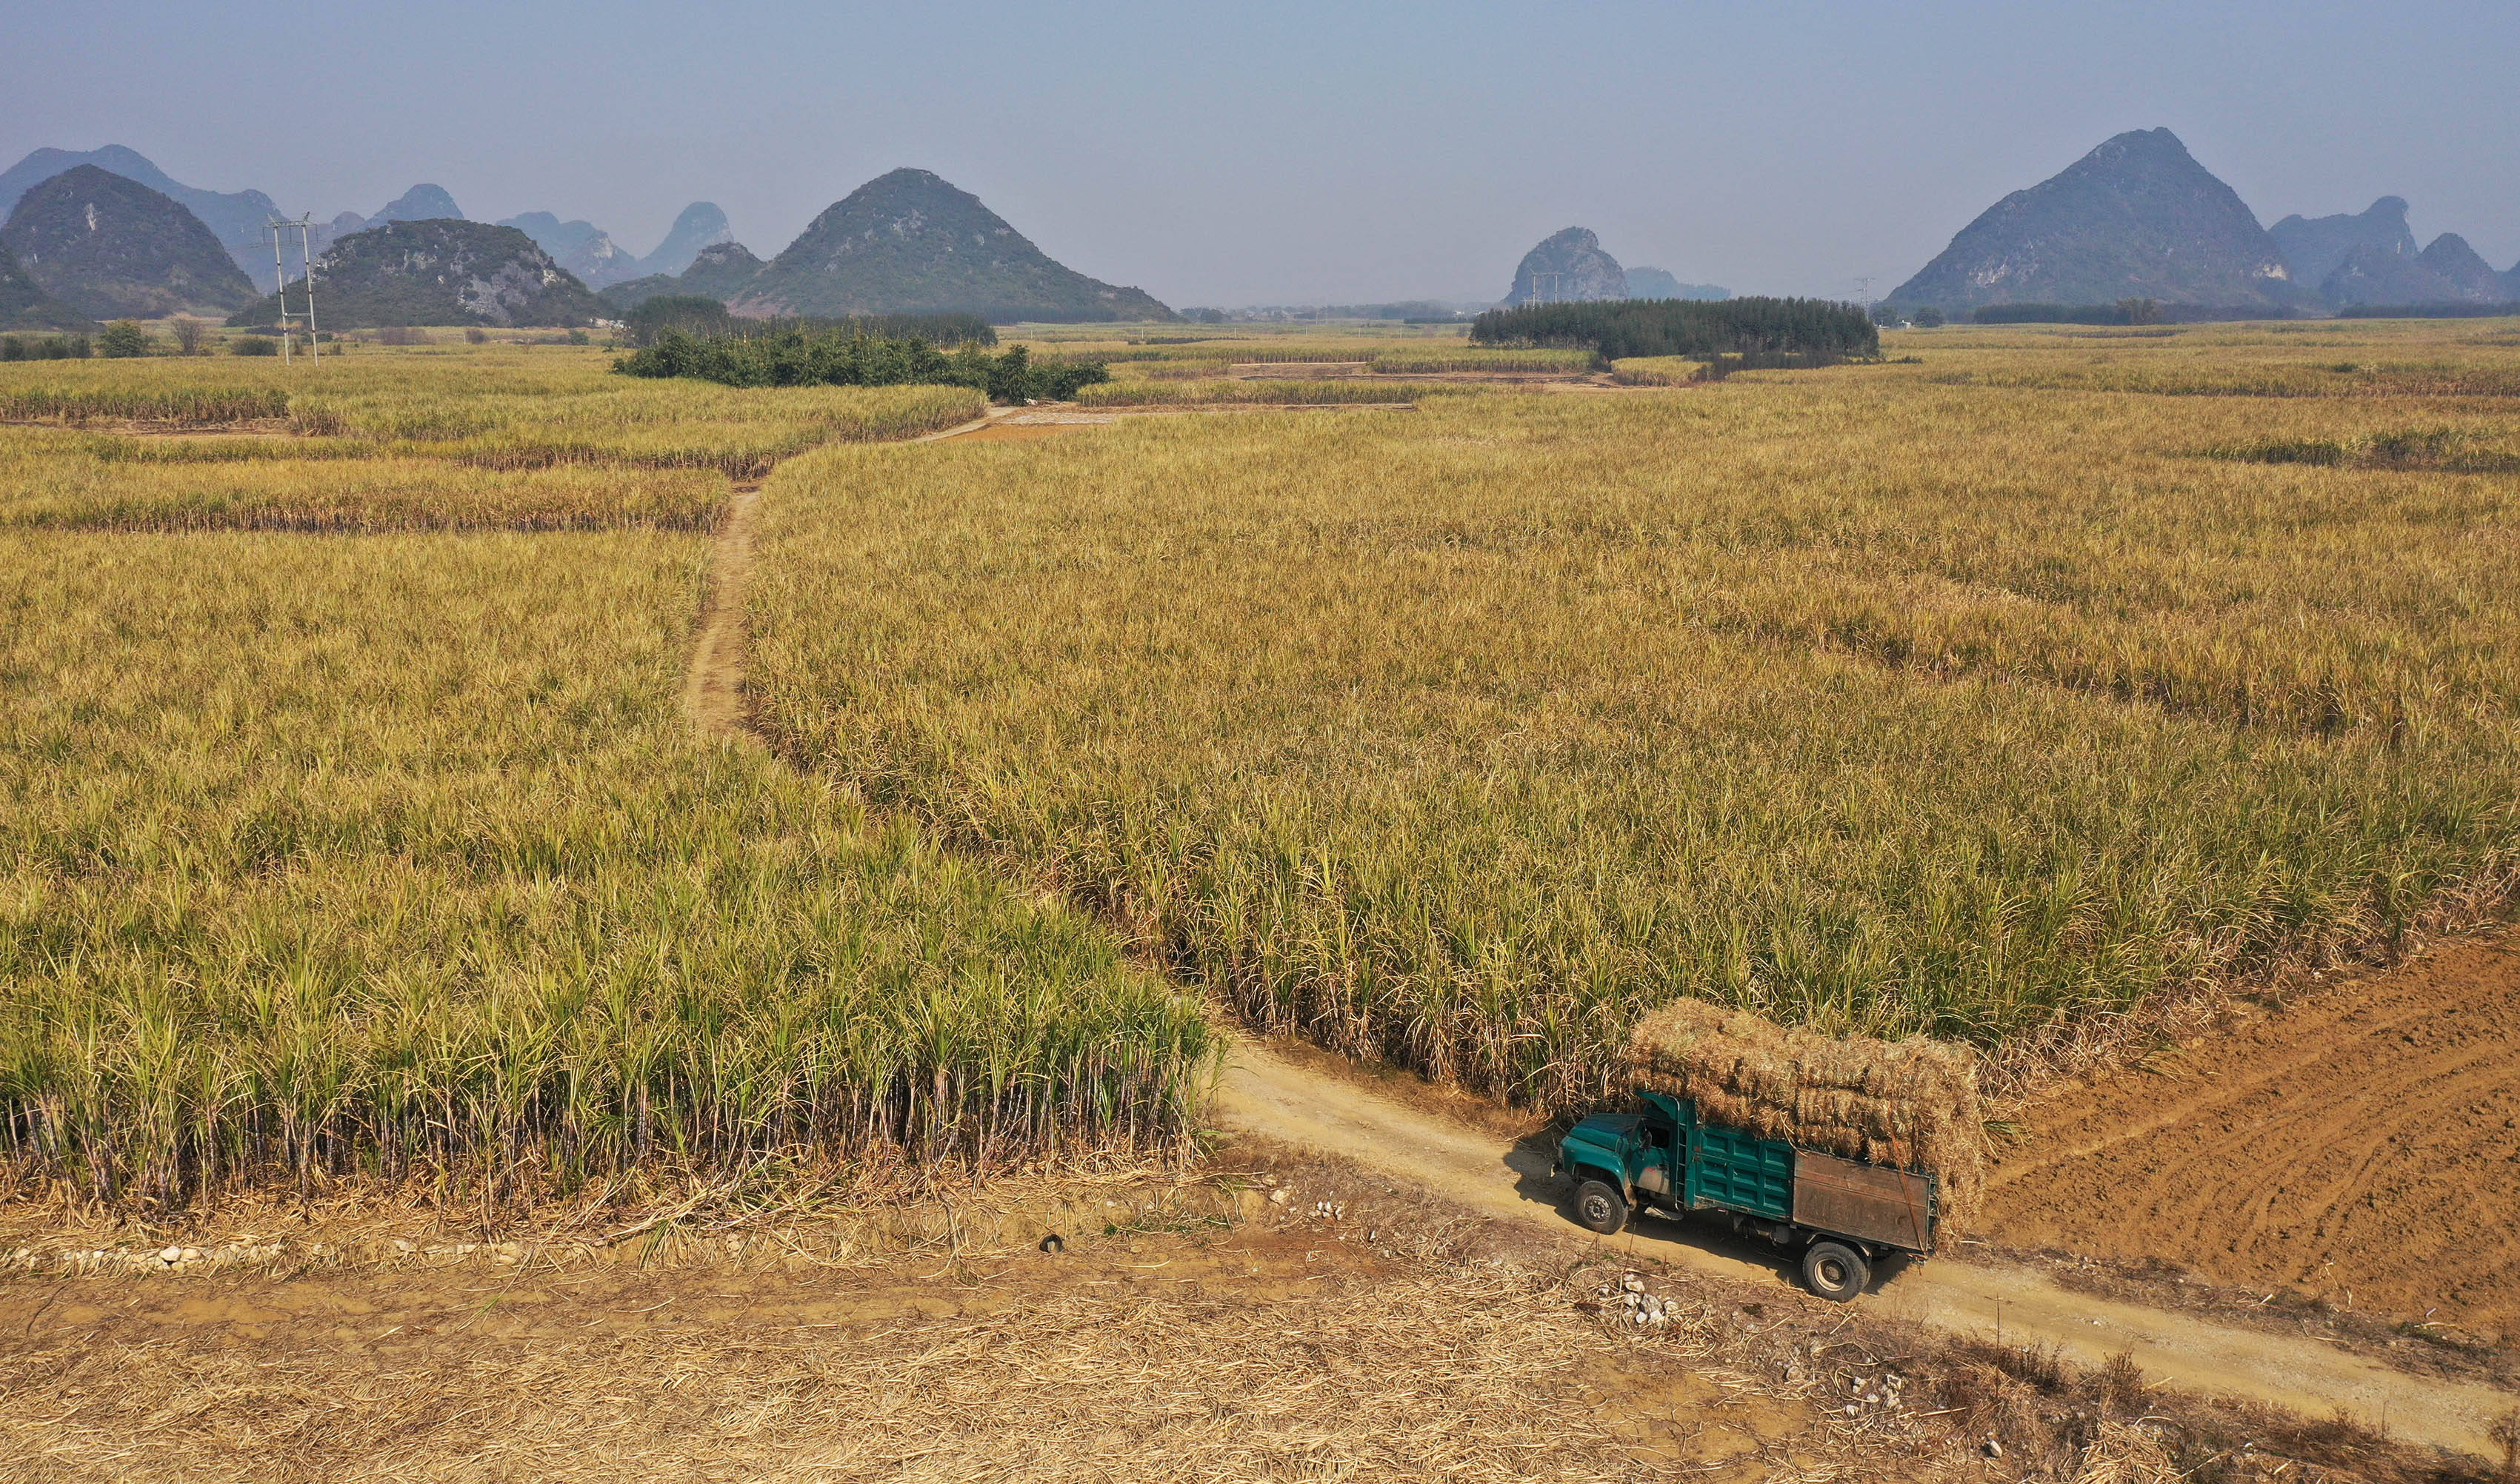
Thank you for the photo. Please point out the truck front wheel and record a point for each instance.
(1600, 1207)
(1836, 1271)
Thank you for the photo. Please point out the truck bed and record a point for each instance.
(1864, 1201)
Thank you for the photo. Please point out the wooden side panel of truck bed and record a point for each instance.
(1876, 1204)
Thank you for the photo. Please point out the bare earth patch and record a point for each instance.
(2360, 1145)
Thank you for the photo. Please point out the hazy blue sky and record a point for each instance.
(1298, 151)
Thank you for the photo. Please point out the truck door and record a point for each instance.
(1656, 1176)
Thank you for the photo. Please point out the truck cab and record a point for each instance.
(1842, 1215)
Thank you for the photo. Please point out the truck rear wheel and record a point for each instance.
(1599, 1207)
(1836, 1271)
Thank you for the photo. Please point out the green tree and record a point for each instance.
(123, 339)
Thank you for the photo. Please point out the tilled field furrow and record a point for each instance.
(2362, 1145)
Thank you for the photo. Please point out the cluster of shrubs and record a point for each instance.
(45, 348)
(851, 358)
(125, 338)
(1697, 329)
(2427, 311)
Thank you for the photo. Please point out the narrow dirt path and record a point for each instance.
(2380, 1121)
(714, 688)
(1270, 1095)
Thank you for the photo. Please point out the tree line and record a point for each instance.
(1616, 329)
(853, 358)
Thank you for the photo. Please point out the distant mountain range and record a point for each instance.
(2318, 246)
(1658, 284)
(422, 202)
(109, 247)
(2140, 218)
(722, 271)
(906, 243)
(238, 220)
(589, 251)
(1572, 267)
(2372, 259)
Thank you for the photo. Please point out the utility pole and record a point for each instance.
(280, 287)
(278, 229)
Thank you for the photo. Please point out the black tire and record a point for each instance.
(1599, 1207)
(1835, 1272)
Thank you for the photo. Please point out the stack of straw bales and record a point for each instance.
(1908, 1104)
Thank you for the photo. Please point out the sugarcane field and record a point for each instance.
(887, 861)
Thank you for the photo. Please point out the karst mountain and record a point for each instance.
(1568, 267)
(2315, 247)
(2135, 218)
(438, 270)
(236, 218)
(905, 242)
(111, 247)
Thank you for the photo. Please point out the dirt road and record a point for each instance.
(1264, 1093)
(2380, 1122)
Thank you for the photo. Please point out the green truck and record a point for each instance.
(1842, 1215)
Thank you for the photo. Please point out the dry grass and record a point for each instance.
(1074, 1386)
(1302, 1346)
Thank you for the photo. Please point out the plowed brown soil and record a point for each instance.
(2361, 1143)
